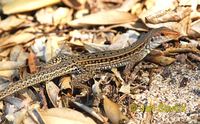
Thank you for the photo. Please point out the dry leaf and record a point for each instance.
(39, 47)
(89, 110)
(125, 88)
(77, 38)
(52, 16)
(17, 38)
(5, 52)
(32, 62)
(75, 4)
(17, 117)
(15, 51)
(52, 48)
(169, 15)
(53, 91)
(95, 88)
(127, 5)
(194, 30)
(112, 110)
(137, 9)
(64, 116)
(118, 42)
(65, 82)
(161, 60)
(181, 50)
(17, 6)
(104, 18)
(22, 57)
(3, 83)
(10, 23)
(7, 73)
(10, 65)
(118, 75)
(29, 121)
(194, 57)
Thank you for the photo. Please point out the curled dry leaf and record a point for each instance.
(17, 38)
(169, 16)
(65, 82)
(32, 62)
(17, 6)
(10, 23)
(112, 111)
(52, 91)
(182, 50)
(104, 18)
(64, 116)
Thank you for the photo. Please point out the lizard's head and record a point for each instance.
(161, 35)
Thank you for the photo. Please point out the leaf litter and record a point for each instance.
(35, 31)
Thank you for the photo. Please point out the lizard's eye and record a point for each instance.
(162, 34)
(151, 39)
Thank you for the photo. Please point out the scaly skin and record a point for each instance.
(85, 66)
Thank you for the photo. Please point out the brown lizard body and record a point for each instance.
(85, 66)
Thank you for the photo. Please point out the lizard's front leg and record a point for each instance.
(78, 80)
(127, 71)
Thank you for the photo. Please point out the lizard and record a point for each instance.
(84, 66)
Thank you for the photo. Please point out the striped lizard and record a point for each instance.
(85, 66)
